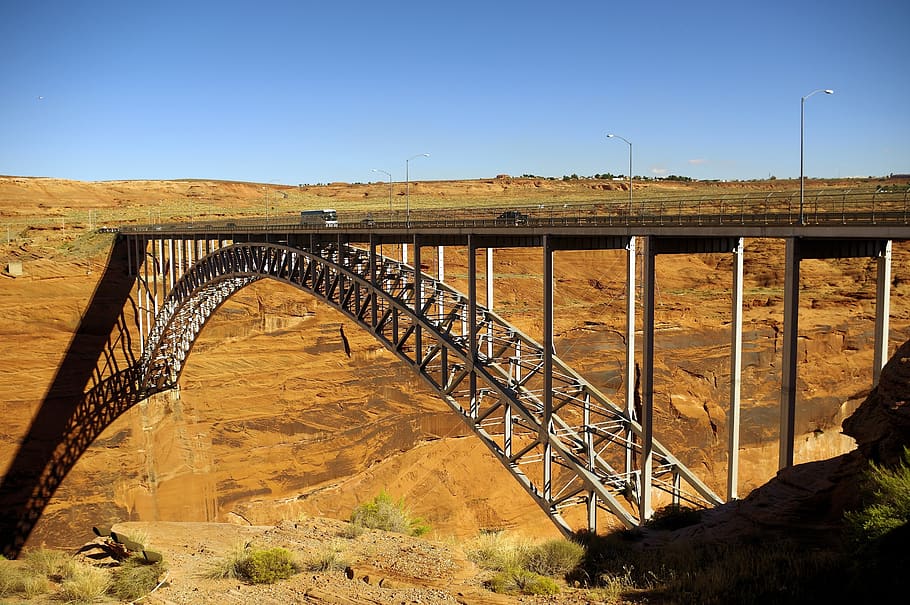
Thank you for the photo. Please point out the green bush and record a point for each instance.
(522, 581)
(890, 502)
(135, 578)
(554, 557)
(267, 566)
(385, 513)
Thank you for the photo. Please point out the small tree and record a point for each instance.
(384, 513)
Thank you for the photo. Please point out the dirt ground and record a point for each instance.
(274, 423)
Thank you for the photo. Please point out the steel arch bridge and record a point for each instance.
(573, 449)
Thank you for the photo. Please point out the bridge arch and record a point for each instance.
(486, 371)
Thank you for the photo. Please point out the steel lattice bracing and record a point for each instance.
(570, 455)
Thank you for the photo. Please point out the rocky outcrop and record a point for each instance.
(881, 425)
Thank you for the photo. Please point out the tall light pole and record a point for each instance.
(390, 187)
(407, 185)
(616, 136)
(802, 121)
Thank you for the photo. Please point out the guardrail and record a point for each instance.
(751, 209)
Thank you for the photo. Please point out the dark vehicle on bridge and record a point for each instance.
(513, 217)
(319, 218)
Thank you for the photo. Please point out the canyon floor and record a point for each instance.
(273, 424)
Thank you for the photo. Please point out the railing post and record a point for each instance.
(873, 206)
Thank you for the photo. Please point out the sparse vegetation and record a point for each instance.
(385, 513)
(522, 567)
(753, 569)
(43, 571)
(328, 558)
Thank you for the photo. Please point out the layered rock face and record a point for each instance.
(274, 421)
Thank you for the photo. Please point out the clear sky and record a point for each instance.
(321, 91)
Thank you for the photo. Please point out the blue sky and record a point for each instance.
(308, 92)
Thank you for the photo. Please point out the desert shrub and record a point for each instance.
(674, 516)
(328, 558)
(86, 585)
(10, 578)
(45, 562)
(33, 585)
(268, 566)
(352, 531)
(890, 502)
(135, 578)
(385, 513)
(497, 551)
(522, 581)
(229, 566)
(554, 557)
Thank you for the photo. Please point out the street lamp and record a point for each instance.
(616, 136)
(802, 121)
(390, 188)
(407, 186)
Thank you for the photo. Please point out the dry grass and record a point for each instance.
(87, 585)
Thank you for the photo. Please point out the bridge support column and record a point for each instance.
(141, 288)
(647, 377)
(374, 310)
(489, 284)
(418, 303)
(441, 277)
(181, 267)
(882, 311)
(736, 360)
(545, 427)
(156, 267)
(630, 353)
(171, 265)
(590, 454)
(472, 323)
(788, 365)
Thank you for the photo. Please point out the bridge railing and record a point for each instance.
(865, 207)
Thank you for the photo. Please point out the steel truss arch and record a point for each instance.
(573, 458)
